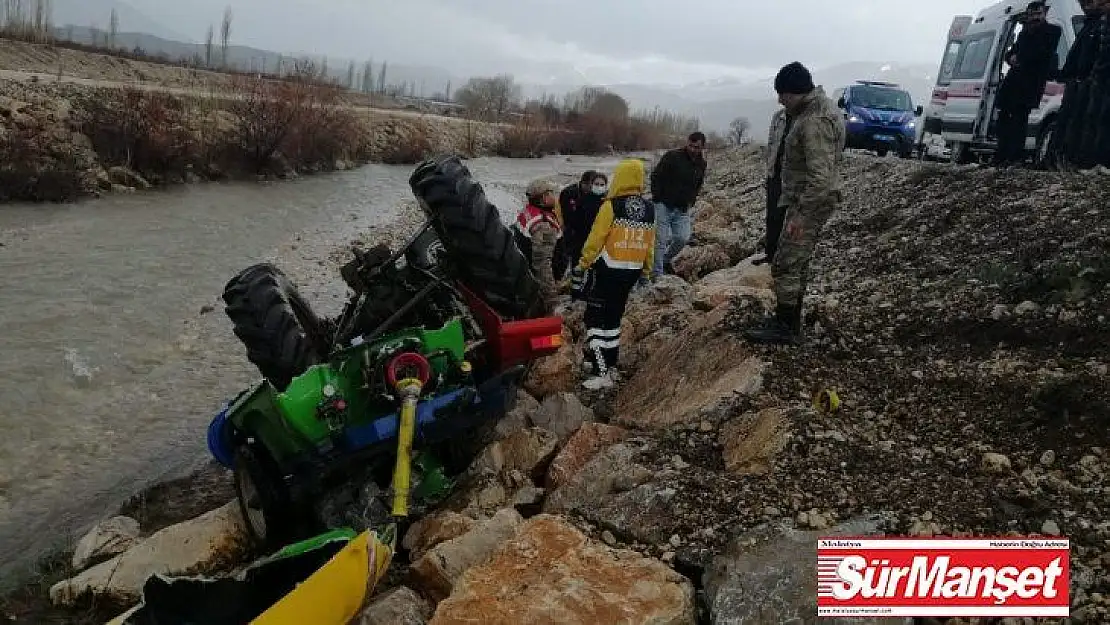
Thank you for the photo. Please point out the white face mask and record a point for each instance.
(600, 189)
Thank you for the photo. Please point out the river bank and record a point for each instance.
(63, 140)
(116, 350)
(959, 313)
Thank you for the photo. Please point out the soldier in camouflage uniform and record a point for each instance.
(811, 192)
(776, 138)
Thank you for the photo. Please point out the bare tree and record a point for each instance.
(489, 98)
(738, 130)
(208, 46)
(225, 34)
(368, 77)
(113, 29)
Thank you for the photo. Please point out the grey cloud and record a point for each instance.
(483, 36)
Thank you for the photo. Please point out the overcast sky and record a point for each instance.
(650, 41)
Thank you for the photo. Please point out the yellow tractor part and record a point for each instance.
(335, 593)
(406, 431)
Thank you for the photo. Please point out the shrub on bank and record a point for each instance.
(145, 131)
(294, 125)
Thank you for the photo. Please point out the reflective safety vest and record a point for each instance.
(532, 215)
(631, 237)
(522, 231)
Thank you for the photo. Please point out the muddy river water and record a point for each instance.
(109, 369)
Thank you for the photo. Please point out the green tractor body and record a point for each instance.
(336, 406)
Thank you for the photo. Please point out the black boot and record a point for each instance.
(779, 329)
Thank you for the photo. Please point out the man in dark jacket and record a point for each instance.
(1094, 150)
(1075, 74)
(675, 183)
(1032, 59)
(578, 206)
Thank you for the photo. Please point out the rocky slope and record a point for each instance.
(958, 313)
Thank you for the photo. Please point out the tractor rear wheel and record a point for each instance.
(282, 335)
(480, 248)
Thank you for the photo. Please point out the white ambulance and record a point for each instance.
(930, 141)
(969, 115)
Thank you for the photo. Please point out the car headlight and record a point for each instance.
(854, 119)
(911, 124)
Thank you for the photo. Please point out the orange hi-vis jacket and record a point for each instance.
(623, 235)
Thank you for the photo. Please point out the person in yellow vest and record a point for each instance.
(617, 254)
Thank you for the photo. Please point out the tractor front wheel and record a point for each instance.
(268, 513)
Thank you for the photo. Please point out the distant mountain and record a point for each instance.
(98, 14)
(424, 80)
(716, 103)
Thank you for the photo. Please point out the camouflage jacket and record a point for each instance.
(814, 150)
(774, 140)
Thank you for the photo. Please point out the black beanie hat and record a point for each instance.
(794, 78)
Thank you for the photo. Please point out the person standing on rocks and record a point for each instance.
(811, 192)
(1095, 149)
(780, 125)
(1031, 63)
(1076, 74)
(676, 181)
(579, 205)
(618, 252)
(538, 234)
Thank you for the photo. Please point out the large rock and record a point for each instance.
(769, 577)
(527, 451)
(205, 543)
(598, 479)
(551, 573)
(616, 492)
(742, 280)
(580, 449)
(692, 372)
(400, 606)
(693, 262)
(433, 530)
(108, 538)
(437, 571)
(519, 417)
(562, 414)
(555, 373)
(752, 441)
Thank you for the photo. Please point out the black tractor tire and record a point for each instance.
(271, 519)
(882, 152)
(481, 250)
(282, 335)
